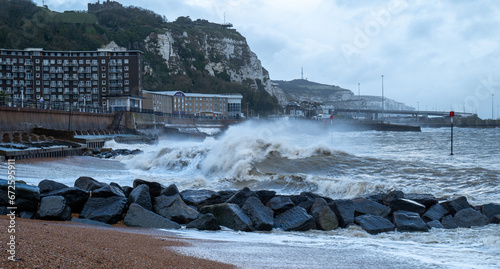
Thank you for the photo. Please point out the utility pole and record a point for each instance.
(492, 105)
(302, 73)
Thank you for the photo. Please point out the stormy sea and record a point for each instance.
(291, 157)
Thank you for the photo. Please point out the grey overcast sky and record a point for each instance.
(434, 54)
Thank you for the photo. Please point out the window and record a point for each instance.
(104, 82)
(103, 61)
(126, 68)
(103, 75)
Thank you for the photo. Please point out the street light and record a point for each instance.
(359, 99)
(492, 106)
(383, 93)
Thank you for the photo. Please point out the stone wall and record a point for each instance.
(25, 119)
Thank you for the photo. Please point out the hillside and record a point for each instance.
(185, 55)
(301, 89)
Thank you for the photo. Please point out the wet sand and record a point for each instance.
(54, 244)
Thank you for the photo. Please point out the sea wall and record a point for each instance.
(25, 119)
(152, 205)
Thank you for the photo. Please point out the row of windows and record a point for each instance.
(65, 54)
(66, 62)
(75, 82)
(53, 90)
(59, 69)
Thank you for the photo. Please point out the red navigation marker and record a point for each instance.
(452, 113)
(331, 117)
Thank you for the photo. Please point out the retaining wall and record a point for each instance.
(25, 119)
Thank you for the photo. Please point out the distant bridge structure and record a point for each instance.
(415, 113)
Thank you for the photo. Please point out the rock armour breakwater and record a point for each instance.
(152, 205)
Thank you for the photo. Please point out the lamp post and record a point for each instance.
(383, 108)
(492, 105)
(359, 99)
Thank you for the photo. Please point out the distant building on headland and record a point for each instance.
(194, 104)
(108, 79)
(92, 8)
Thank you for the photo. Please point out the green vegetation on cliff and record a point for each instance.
(25, 25)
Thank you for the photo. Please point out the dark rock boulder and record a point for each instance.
(448, 222)
(407, 221)
(50, 185)
(137, 216)
(229, 215)
(426, 199)
(469, 217)
(4, 198)
(456, 204)
(108, 191)
(141, 196)
(54, 208)
(435, 224)
(199, 198)
(241, 196)
(109, 210)
(436, 212)
(295, 219)
(379, 198)
(174, 208)
(265, 195)
(496, 219)
(222, 197)
(392, 196)
(325, 218)
(490, 210)
(307, 204)
(27, 196)
(170, 190)
(261, 216)
(367, 206)
(154, 187)
(88, 183)
(298, 199)
(407, 205)
(127, 190)
(4, 211)
(90, 222)
(205, 222)
(27, 215)
(75, 197)
(313, 196)
(374, 224)
(344, 209)
(280, 204)
(24, 204)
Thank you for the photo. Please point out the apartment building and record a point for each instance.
(106, 78)
(193, 104)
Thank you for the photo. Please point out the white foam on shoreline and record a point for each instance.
(458, 248)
